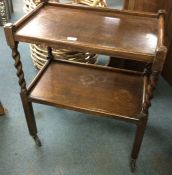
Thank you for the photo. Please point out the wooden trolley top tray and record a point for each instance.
(106, 31)
(90, 88)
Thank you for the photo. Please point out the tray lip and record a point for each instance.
(88, 111)
(75, 108)
(93, 66)
(79, 64)
(98, 49)
(109, 9)
(26, 17)
(29, 15)
(132, 54)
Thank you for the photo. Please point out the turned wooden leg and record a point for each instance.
(27, 106)
(152, 78)
(30, 118)
(137, 143)
(2, 112)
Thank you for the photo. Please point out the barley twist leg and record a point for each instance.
(27, 105)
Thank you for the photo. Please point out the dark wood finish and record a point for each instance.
(127, 64)
(110, 93)
(138, 141)
(106, 91)
(144, 5)
(88, 35)
(30, 118)
(167, 71)
(2, 111)
(154, 6)
(38, 75)
(18, 65)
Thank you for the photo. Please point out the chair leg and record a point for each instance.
(30, 118)
(137, 143)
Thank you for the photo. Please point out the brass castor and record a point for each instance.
(133, 165)
(37, 140)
